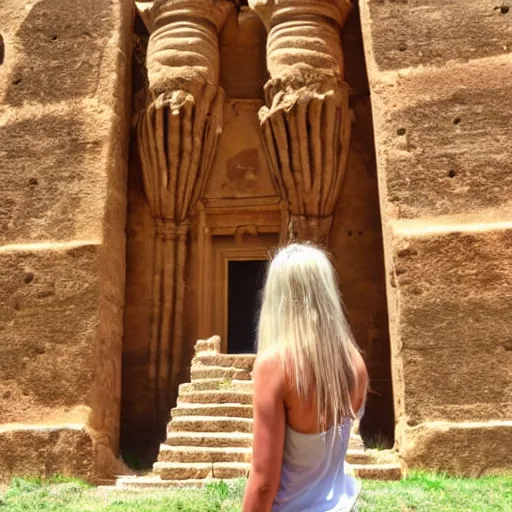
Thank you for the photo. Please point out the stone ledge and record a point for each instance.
(204, 454)
(210, 439)
(229, 410)
(215, 396)
(211, 424)
(433, 32)
(201, 372)
(470, 449)
(46, 450)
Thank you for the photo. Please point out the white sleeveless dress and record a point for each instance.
(313, 475)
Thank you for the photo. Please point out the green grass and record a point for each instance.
(419, 493)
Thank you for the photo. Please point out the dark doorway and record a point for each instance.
(245, 280)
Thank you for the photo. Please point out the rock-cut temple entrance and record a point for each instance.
(197, 245)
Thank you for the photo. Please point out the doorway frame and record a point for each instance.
(223, 257)
(232, 230)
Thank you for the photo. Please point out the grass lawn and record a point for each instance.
(419, 493)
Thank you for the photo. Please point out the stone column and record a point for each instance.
(177, 138)
(306, 123)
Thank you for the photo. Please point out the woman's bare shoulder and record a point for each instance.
(268, 364)
(360, 367)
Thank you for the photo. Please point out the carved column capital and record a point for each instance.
(271, 10)
(303, 37)
(184, 46)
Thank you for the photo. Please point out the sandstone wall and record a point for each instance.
(64, 84)
(440, 80)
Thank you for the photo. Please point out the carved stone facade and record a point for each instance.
(251, 125)
(305, 128)
(269, 167)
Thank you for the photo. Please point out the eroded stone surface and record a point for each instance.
(466, 449)
(453, 325)
(45, 452)
(44, 342)
(425, 32)
(63, 120)
(442, 139)
(444, 177)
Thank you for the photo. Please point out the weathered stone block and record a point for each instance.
(63, 150)
(433, 32)
(442, 140)
(451, 326)
(48, 324)
(59, 48)
(46, 451)
(466, 449)
(51, 185)
(439, 79)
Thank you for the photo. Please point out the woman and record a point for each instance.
(310, 382)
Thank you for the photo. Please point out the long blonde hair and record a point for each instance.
(302, 314)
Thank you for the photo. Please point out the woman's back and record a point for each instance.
(302, 415)
(313, 477)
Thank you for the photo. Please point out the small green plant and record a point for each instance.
(225, 384)
(378, 442)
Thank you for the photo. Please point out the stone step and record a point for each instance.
(216, 396)
(199, 470)
(365, 472)
(210, 439)
(210, 345)
(197, 474)
(216, 384)
(203, 454)
(187, 453)
(141, 483)
(359, 456)
(227, 470)
(241, 361)
(210, 424)
(220, 431)
(200, 372)
(172, 475)
(391, 471)
(355, 442)
(233, 410)
(385, 472)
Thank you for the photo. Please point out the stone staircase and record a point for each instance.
(210, 433)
